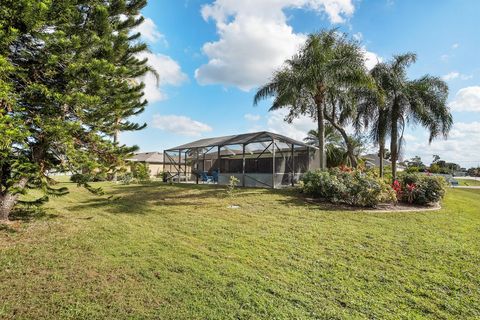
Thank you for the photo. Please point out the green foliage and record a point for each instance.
(422, 189)
(336, 148)
(434, 168)
(313, 80)
(355, 188)
(81, 179)
(232, 185)
(164, 175)
(412, 169)
(126, 178)
(401, 101)
(68, 73)
(474, 172)
(140, 172)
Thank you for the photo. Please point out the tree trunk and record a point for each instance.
(8, 200)
(321, 135)
(381, 155)
(394, 148)
(346, 138)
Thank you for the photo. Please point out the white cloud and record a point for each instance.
(180, 125)
(450, 76)
(467, 99)
(371, 58)
(150, 32)
(298, 129)
(455, 75)
(444, 57)
(252, 117)
(255, 38)
(462, 145)
(455, 46)
(169, 72)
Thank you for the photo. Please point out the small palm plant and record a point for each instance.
(232, 186)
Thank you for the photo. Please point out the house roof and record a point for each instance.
(262, 136)
(374, 160)
(148, 157)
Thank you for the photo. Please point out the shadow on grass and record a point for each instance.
(6, 228)
(138, 199)
(27, 214)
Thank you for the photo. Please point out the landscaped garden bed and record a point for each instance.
(357, 188)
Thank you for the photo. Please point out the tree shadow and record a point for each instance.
(139, 199)
(27, 214)
(6, 228)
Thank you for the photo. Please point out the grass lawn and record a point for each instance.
(178, 252)
(468, 182)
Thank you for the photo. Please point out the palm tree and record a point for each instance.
(327, 62)
(422, 101)
(373, 112)
(333, 140)
(336, 150)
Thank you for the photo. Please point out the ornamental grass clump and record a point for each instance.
(352, 187)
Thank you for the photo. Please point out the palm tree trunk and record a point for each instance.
(321, 134)
(348, 143)
(381, 154)
(394, 148)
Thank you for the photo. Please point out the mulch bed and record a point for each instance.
(383, 207)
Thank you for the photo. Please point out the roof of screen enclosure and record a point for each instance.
(245, 138)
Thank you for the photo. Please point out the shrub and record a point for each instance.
(422, 189)
(232, 185)
(126, 178)
(80, 179)
(140, 172)
(353, 187)
(83, 178)
(413, 169)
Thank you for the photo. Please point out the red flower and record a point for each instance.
(344, 168)
(397, 187)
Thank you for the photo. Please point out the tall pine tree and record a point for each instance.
(67, 86)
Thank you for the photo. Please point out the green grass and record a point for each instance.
(468, 182)
(178, 252)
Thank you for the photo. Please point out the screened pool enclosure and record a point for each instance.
(260, 159)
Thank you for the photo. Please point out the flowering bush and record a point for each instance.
(352, 187)
(419, 188)
(397, 187)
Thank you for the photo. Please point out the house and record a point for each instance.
(258, 159)
(154, 160)
(372, 160)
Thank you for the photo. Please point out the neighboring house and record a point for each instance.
(154, 160)
(372, 160)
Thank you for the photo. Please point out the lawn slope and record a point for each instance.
(179, 252)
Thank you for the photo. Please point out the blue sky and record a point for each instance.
(211, 55)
